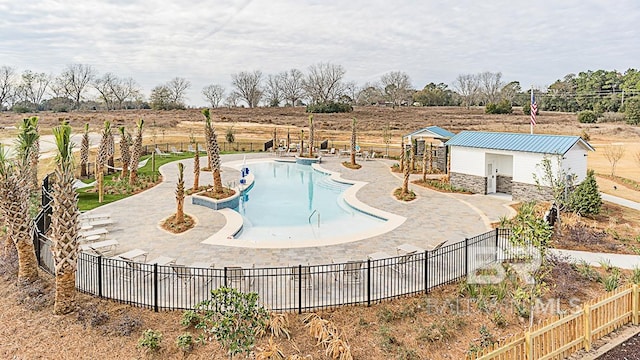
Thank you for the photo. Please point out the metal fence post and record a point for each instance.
(497, 241)
(466, 257)
(426, 272)
(299, 289)
(225, 277)
(368, 282)
(155, 287)
(99, 275)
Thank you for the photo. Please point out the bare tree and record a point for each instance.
(613, 154)
(213, 94)
(292, 86)
(351, 91)
(33, 87)
(467, 87)
(7, 83)
(369, 94)
(248, 86)
(74, 80)
(178, 88)
(104, 86)
(125, 90)
(324, 82)
(273, 90)
(397, 86)
(491, 84)
(232, 99)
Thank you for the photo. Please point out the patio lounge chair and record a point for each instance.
(175, 151)
(77, 184)
(103, 248)
(303, 276)
(182, 274)
(160, 153)
(352, 272)
(237, 278)
(191, 149)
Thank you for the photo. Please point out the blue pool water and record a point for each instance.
(286, 199)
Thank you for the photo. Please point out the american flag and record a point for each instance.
(534, 108)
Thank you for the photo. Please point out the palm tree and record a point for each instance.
(84, 152)
(64, 222)
(196, 168)
(26, 145)
(402, 155)
(5, 168)
(406, 172)
(111, 150)
(353, 142)
(125, 153)
(311, 133)
(180, 194)
(101, 159)
(136, 153)
(17, 181)
(213, 151)
(35, 153)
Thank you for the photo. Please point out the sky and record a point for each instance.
(153, 41)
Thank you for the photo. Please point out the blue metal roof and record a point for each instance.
(536, 143)
(436, 130)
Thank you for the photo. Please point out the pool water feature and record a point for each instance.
(293, 203)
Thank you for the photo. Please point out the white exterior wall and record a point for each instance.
(527, 164)
(575, 162)
(468, 160)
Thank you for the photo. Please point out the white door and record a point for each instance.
(491, 179)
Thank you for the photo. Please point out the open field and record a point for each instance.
(258, 125)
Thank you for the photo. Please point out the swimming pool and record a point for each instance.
(293, 203)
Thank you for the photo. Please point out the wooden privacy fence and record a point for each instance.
(559, 337)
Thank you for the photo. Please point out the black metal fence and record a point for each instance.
(298, 288)
(292, 288)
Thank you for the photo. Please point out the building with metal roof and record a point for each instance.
(433, 132)
(493, 162)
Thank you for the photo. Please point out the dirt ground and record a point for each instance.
(442, 325)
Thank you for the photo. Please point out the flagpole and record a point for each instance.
(531, 109)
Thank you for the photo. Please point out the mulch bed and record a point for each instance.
(628, 350)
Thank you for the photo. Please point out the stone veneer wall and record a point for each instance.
(476, 184)
(441, 159)
(522, 191)
(503, 184)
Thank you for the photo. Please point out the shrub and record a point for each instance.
(184, 342)
(233, 318)
(585, 199)
(632, 110)
(612, 281)
(503, 107)
(190, 318)
(587, 117)
(329, 107)
(150, 340)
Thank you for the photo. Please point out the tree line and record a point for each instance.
(79, 86)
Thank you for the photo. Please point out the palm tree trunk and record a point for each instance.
(405, 182)
(217, 181)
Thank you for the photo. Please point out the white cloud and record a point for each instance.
(205, 42)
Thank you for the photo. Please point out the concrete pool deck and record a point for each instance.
(432, 218)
